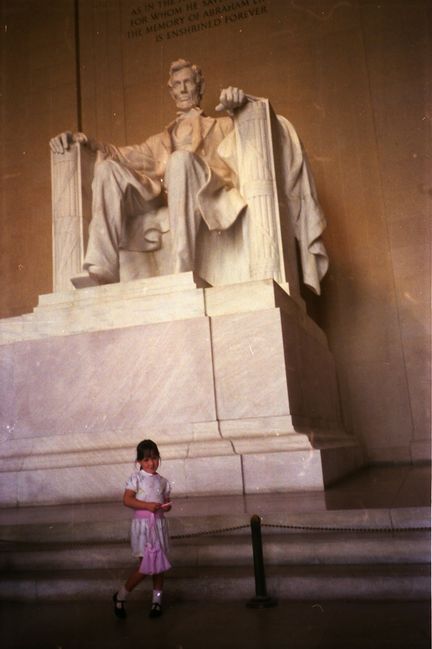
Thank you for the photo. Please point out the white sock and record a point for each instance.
(157, 597)
(122, 594)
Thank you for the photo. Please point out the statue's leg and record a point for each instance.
(112, 188)
(185, 175)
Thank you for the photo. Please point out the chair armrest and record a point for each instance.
(71, 178)
(269, 236)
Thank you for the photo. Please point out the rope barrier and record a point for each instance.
(222, 530)
(304, 528)
(349, 529)
(307, 528)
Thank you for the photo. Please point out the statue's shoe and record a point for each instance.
(101, 275)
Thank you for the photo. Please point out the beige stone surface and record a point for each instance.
(99, 482)
(80, 448)
(110, 379)
(248, 296)
(205, 476)
(236, 393)
(173, 297)
(302, 468)
(309, 470)
(72, 484)
(124, 311)
(271, 363)
(250, 375)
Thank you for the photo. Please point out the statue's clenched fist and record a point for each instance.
(231, 99)
(61, 143)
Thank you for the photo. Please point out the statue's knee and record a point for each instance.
(105, 170)
(183, 165)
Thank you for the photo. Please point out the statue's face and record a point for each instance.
(184, 89)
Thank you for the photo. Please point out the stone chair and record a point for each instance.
(259, 245)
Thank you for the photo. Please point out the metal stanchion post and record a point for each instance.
(261, 599)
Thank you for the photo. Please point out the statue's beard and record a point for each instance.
(186, 103)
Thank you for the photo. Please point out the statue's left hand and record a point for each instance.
(231, 99)
(61, 142)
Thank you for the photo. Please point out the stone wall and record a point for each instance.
(352, 77)
(38, 97)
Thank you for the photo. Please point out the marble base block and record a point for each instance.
(236, 385)
(311, 470)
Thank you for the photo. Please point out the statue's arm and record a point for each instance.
(135, 156)
(138, 157)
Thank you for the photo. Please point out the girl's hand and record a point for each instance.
(153, 507)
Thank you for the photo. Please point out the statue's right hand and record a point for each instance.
(61, 143)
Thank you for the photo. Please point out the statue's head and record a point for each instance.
(186, 84)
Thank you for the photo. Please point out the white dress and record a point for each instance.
(149, 488)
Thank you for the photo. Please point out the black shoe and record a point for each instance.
(119, 607)
(156, 610)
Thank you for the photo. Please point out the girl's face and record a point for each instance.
(150, 464)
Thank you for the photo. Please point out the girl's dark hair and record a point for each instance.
(146, 449)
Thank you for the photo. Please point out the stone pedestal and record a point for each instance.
(236, 385)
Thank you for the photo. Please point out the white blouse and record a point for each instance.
(149, 487)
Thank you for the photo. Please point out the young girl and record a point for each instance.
(147, 493)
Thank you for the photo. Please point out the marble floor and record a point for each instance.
(204, 625)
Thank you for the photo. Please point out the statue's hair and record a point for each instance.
(178, 65)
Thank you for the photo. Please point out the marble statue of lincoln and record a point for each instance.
(179, 169)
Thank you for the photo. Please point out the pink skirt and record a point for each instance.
(154, 558)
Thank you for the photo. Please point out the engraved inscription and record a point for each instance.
(165, 20)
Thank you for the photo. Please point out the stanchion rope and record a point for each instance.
(305, 528)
